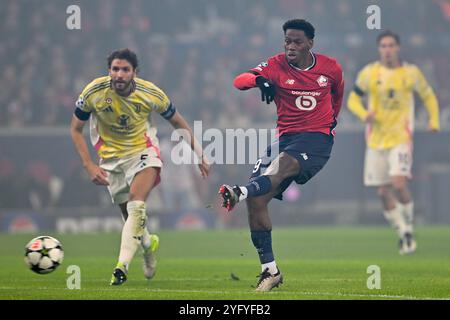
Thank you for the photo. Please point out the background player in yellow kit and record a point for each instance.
(119, 106)
(389, 85)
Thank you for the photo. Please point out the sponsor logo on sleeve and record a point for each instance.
(80, 102)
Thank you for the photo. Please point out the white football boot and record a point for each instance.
(407, 244)
(268, 281)
(149, 265)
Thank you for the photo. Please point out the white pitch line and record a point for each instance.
(159, 279)
(304, 293)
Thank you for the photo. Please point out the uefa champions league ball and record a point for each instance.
(43, 254)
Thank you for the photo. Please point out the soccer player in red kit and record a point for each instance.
(307, 89)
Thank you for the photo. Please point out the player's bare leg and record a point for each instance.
(133, 229)
(387, 197)
(400, 186)
(406, 204)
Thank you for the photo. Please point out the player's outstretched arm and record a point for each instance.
(245, 81)
(97, 174)
(248, 80)
(178, 122)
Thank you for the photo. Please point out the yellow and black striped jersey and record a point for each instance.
(390, 97)
(121, 126)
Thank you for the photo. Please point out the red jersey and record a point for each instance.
(307, 100)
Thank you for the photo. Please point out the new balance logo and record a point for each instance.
(290, 81)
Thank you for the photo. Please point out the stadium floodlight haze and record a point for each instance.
(218, 150)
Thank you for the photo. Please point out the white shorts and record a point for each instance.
(382, 164)
(122, 171)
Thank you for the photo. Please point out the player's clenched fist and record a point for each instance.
(267, 89)
(97, 175)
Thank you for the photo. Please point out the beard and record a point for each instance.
(121, 85)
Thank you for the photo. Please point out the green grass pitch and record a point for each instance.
(317, 263)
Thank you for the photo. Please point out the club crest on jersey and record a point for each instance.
(123, 120)
(322, 81)
(137, 107)
(108, 100)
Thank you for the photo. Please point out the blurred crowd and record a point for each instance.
(192, 49)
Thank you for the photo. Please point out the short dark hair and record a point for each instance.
(124, 54)
(388, 33)
(300, 24)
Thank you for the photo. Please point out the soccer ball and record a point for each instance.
(43, 254)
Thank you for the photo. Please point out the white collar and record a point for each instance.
(308, 68)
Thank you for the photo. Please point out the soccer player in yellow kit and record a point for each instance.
(119, 107)
(389, 85)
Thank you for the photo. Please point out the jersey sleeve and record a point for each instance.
(362, 81)
(83, 105)
(428, 97)
(361, 87)
(264, 69)
(162, 103)
(337, 90)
